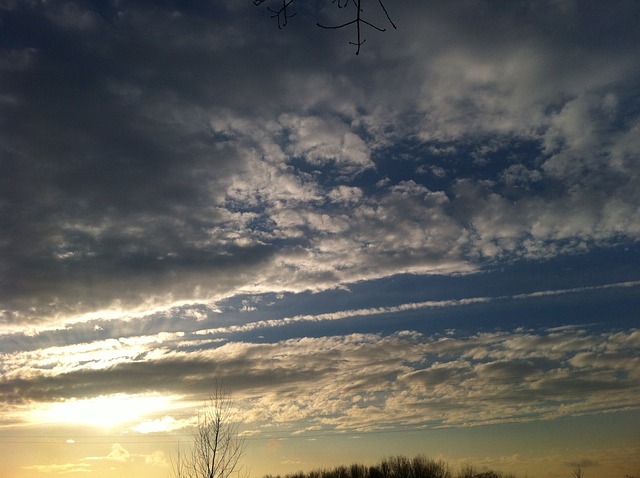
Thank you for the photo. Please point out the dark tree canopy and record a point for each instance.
(283, 10)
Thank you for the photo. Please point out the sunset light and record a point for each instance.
(382, 230)
(103, 411)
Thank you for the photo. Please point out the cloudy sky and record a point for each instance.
(430, 247)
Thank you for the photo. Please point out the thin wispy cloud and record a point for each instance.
(346, 314)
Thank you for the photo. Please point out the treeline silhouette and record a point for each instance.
(397, 467)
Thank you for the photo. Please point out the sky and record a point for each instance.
(430, 247)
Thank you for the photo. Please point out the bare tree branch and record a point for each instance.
(217, 446)
(283, 15)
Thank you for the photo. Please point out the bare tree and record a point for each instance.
(217, 447)
(283, 13)
(577, 472)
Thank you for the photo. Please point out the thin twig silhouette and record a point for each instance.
(358, 21)
(283, 15)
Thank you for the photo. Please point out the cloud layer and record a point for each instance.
(438, 233)
(355, 381)
(143, 162)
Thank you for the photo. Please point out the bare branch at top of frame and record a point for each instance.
(282, 14)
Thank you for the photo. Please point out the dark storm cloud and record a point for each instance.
(113, 180)
(108, 166)
(154, 153)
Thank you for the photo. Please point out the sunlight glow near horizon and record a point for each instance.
(103, 411)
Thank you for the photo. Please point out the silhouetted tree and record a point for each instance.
(487, 474)
(467, 471)
(283, 12)
(398, 467)
(217, 447)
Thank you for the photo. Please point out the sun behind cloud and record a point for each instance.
(104, 410)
